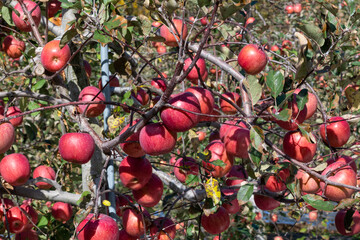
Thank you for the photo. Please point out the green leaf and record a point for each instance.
(70, 34)
(302, 99)
(84, 196)
(346, 203)
(329, 6)
(244, 194)
(38, 85)
(33, 105)
(255, 156)
(275, 81)
(284, 115)
(203, 3)
(228, 10)
(257, 138)
(352, 6)
(192, 179)
(218, 163)
(103, 39)
(114, 22)
(6, 15)
(318, 202)
(313, 32)
(43, 222)
(255, 89)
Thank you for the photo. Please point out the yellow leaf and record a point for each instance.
(212, 190)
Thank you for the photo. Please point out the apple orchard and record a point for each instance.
(190, 119)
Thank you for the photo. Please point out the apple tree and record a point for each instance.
(192, 119)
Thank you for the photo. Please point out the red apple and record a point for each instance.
(278, 238)
(15, 169)
(104, 227)
(131, 146)
(308, 183)
(205, 98)
(313, 216)
(252, 59)
(17, 220)
(296, 118)
(135, 172)
(191, 19)
(218, 152)
(286, 44)
(277, 182)
(13, 47)
(76, 147)
(133, 222)
(28, 234)
(274, 48)
(226, 107)
(151, 193)
(20, 22)
(123, 235)
(87, 68)
(53, 7)
(7, 136)
(141, 96)
(163, 229)
(310, 106)
(2, 106)
(193, 75)
(265, 203)
(155, 139)
(32, 214)
(297, 8)
(236, 175)
(345, 160)
(13, 111)
(169, 36)
(159, 84)
(237, 141)
(217, 222)
(204, 21)
(250, 20)
(88, 94)
(161, 49)
(340, 173)
(229, 124)
(53, 58)
(354, 226)
(289, 9)
(233, 206)
(62, 212)
(114, 82)
(8, 203)
(258, 216)
(179, 120)
(274, 217)
(296, 146)
(45, 172)
(201, 135)
(184, 167)
(337, 131)
(156, 24)
(121, 202)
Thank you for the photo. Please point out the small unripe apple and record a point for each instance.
(15, 169)
(76, 147)
(252, 59)
(53, 58)
(88, 94)
(13, 47)
(45, 172)
(62, 211)
(20, 22)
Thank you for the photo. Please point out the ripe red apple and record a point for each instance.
(13, 47)
(296, 146)
(20, 22)
(135, 172)
(113, 82)
(151, 193)
(169, 36)
(17, 220)
(218, 152)
(337, 131)
(8, 203)
(289, 9)
(53, 7)
(265, 203)
(133, 222)
(237, 141)
(141, 96)
(205, 98)
(45, 172)
(226, 107)
(342, 174)
(278, 238)
(155, 139)
(178, 120)
(201, 135)
(193, 75)
(62, 212)
(104, 227)
(156, 24)
(184, 167)
(32, 214)
(250, 20)
(131, 146)
(15, 169)
(233, 206)
(236, 175)
(308, 183)
(354, 227)
(252, 59)
(229, 124)
(297, 8)
(274, 217)
(87, 67)
(217, 222)
(121, 202)
(123, 235)
(277, 182)
(345, 160)
(76, 147)
(163, 229)
(310, 106)
(161, 49)
(28, 234)
(7, 136)
(13, 111)
(296, 118)
(274, 48)
(88, 94)
(258, 216)
(313, 216)
(191, 19)
(286, 44)
(204, 21)
(159, 84)
(53, 58)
